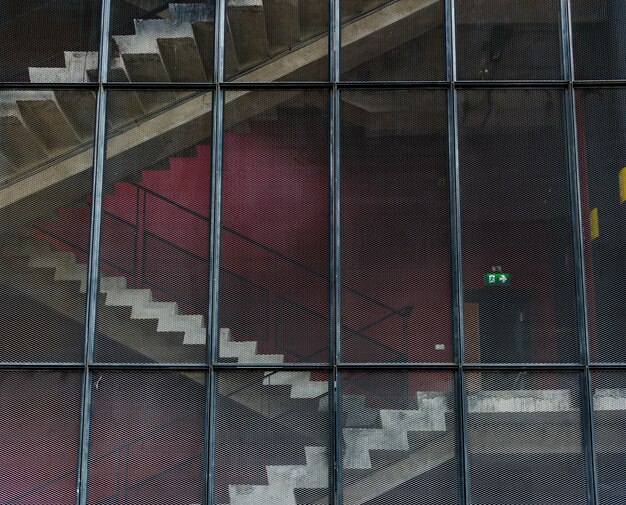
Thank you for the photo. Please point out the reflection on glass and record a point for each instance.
(147, 437)
(598, 28)
(395, 227)
(393, 40)
(46, 155)
(602, 151)
(508, 39)
(154, 254)
(272, 447)
(525, 438)
(157, 41)
(39, 436)
(49, 41)
(399, 438)
(518, 270)
(274, 286)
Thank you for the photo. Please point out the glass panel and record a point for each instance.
(161, 41)
(46, 154)
(602, 155)
(609, 402)
(519, 298)
(49, 41)
(155, 230)
(508, 39)
(525, 439)
(393, 40)
(147, 438)
(272, 440)
(399, 438)
(39, 436)
(599, 27)
(276, 40)
(275, 227)
(395, 227)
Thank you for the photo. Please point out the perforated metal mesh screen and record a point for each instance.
(39, 436)
(398, 438)
(602, 158)
(46, 41)
(525, 438)
(395, 228)
(161, 41)
(274, 259)
(609, 405)
(515, 195)
(272, 437)
(508, 39)
(44, 248)
(379, 45)
(598, 38)
(276, 40)
(154, 253)
(147, 437)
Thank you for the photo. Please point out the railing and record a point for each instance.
(148, 259)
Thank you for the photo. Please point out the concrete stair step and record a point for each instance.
(19, 146)
(393, 435)
(46, 120)
(77, 65)
(154, 310)
(128, 297)
(246, 19)
(182, 60)
(283, 22)
(283, 480)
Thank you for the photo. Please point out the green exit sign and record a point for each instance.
(497, 279)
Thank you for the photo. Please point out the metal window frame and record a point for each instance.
(335, 366)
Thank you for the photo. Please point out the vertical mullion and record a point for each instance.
(218, 106)
(456, 256)
(457, 291)
(94, 252)
(334, 47)
(587, 414)
(214, 261)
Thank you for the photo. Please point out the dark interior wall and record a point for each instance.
(37, 32)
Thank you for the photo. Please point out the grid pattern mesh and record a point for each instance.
(154, 451)
(39, 436)
(598, 39)
(161, 41)
(609, 402)
(260, 33)
(155, 232)
(602, 157)
(274, 288)
(399, 438)
(49, 42)
(43, 249)
(515, 195)
(395, 227)
(272, 440)
(508, 39)
(525, 438)
(377, 45)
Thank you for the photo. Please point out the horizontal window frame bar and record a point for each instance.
(31, 365)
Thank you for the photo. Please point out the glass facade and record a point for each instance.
(288, 252)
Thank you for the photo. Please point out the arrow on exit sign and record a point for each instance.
(497, 279)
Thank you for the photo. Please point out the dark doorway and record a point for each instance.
(498, 326)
